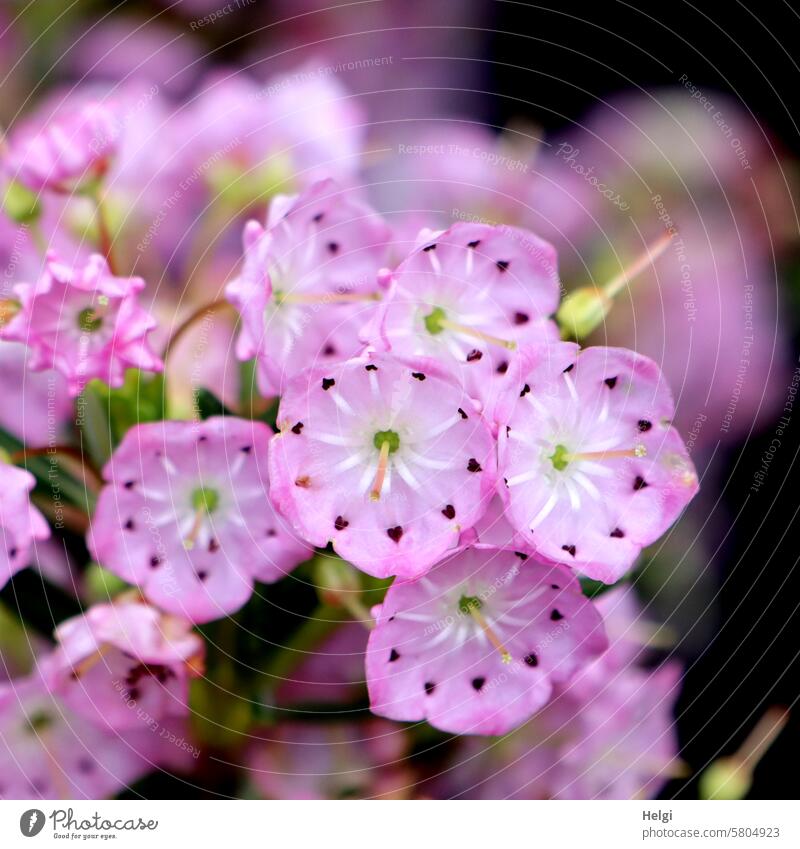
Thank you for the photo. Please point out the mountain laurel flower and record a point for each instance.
(21, 524)
(477, 644)
(84, 322)
(469, 296)
(186, 516)
(592, 469)
(118, 662)
(308, 283)
(386, 458)
(69, 153)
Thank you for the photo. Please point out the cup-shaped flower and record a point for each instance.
(70, 152)
(477, 644)
(20, 522)
(384, 457)
(593, 470)
(186, 516)
(84, 322)
(120, 661)
(309, 282)
(469, 297)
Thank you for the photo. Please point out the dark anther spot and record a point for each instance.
(297, 428)
(462, 413)
(395, 533)
(340, 523)
(569, 368)
(556, 615)
(371, 367)
(129, 484)
(272, 532)
(474, 355)
(449, 512)
(639, 483)
(418, 375)
(502, 368)
(474, 244)
(525, 390)
(555, 587)
(521, 555)
(203, 438)
(394, 655)
(133, 694)
(129, 525)
(327, 382)
(570, 549)
(474, 465)
(328, 351)
(246, 449)
(213, 546)
(318, 217)
(508, 429)
(85, 765)
(202, 575)
(521, 318)
(502, 264)
(429, 688)
(155, 561)
(644, 425)
(477, 683)
(610, 382)
(531, 659)
(333, 247)
(429, 247)
(618, 533)
(13, 552)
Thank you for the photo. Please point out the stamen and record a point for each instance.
(380, 475)
(8, 309)
(561, 457)
(643, 261)
(477, 334)
(205, 501)
(326, 298)
(472, 605)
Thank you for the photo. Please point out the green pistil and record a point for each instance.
(40, 721)
(89, 321)
(560, 458)
(433, 322)
(387, 436)
(468, 603)
(205, 499)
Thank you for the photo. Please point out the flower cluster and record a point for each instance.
(406, 419)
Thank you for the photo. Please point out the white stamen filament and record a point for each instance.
(380, 475)
(477, 334)
(505, 654)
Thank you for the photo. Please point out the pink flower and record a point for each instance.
(332, 760)
(120, 661)
(593, 470)
(469, 297)
(48, 752)
(70, 151)
(186, 516)
(84, 322)
(476, 646)
(20, 522)
(308, 283)
(385, 458)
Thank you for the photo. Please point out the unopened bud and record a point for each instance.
(336, 581)
(102, 585)
(21, 204)
(727, 778)
(582, 311)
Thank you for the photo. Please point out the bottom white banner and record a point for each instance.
(356, 824)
